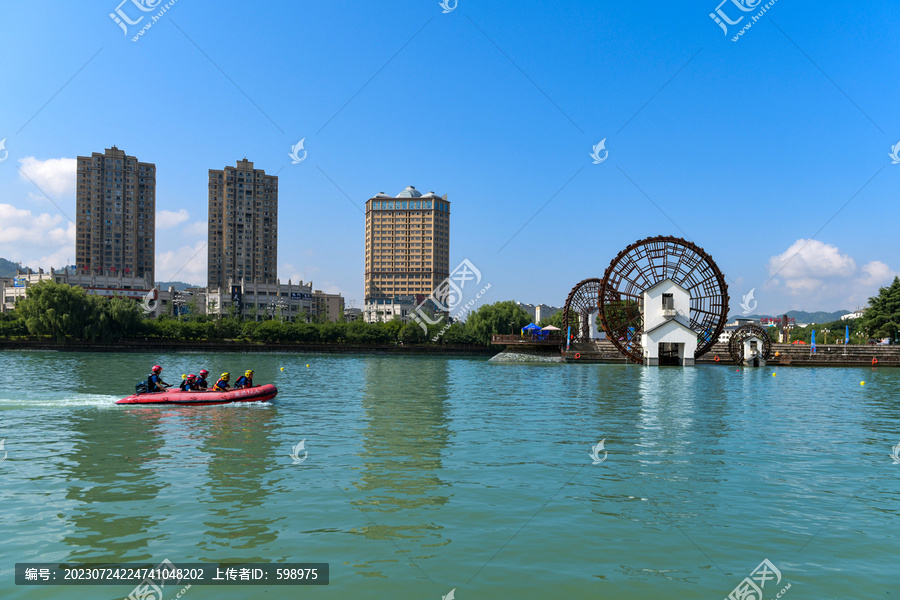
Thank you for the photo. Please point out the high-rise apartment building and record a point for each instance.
(407, 251)
(243, 226)
(115, 206)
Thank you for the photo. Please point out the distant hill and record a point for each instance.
(180, 286)
(802, 316)
(817, 317)
(7, 268)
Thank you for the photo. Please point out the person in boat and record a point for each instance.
(245, 380)
(154, 380)
(189, 383)
(201, 381)
(222, 383)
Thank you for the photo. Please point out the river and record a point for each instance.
(426, 476)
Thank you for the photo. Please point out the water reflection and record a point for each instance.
(110, 477)
(665, 441)
(403, 441)
(239, 443)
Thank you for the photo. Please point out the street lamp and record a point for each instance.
(825, 335)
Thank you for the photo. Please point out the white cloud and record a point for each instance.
(166, 219)
(36, 240)
(58, 259)
(187, 264)
(20, 226)
(811, 259)
(818, 276)
(330, 288)
(55, 176)
(288, 271)
(876, 274)
(200, 228)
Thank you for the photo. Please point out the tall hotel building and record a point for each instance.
(407, 251)
(115, 206)
(243, 226)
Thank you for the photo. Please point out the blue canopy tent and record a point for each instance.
(531, 328)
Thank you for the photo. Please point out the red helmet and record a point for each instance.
(192, 376)
(203, 372)
(156, 368)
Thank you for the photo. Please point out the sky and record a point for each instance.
(772, 152)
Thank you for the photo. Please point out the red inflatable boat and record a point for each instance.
(260, 393)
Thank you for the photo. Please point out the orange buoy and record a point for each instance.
(874, 361)
(716, 359)
(577, 355)
(778, 354)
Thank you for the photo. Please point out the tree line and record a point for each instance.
(62, 312)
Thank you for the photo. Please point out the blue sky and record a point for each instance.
(750, 148)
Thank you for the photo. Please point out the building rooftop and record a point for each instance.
(680, 320)
(410, 192)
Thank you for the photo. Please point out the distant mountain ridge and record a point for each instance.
(801, 316)
(7, 268)
(179, 286)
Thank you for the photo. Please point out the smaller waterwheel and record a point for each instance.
(581, 307)
(745, 332)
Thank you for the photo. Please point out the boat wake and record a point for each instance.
(69, 401)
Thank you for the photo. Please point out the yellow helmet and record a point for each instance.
(248, 373)
(225, 376)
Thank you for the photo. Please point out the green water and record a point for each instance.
(428, 474)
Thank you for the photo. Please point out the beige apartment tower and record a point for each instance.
(407, 251)
(243, 226)
(115, 215)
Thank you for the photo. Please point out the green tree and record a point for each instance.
(882, 318)
(495, 318)
(12, 325)
(271, 331)
(458, 334)
(332, 332)
(411, 333)
(57, 310)
(112, 319)
(248, 329)
(305, 332)
(392, 329)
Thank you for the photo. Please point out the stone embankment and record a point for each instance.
(529, 354)
(157, 345)
(603, 351)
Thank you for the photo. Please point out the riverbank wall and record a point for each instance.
(603, 351)
(597, 352)
(208, 346)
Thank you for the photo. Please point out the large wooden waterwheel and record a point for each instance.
(647, 262)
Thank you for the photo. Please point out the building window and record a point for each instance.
(668, 302)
